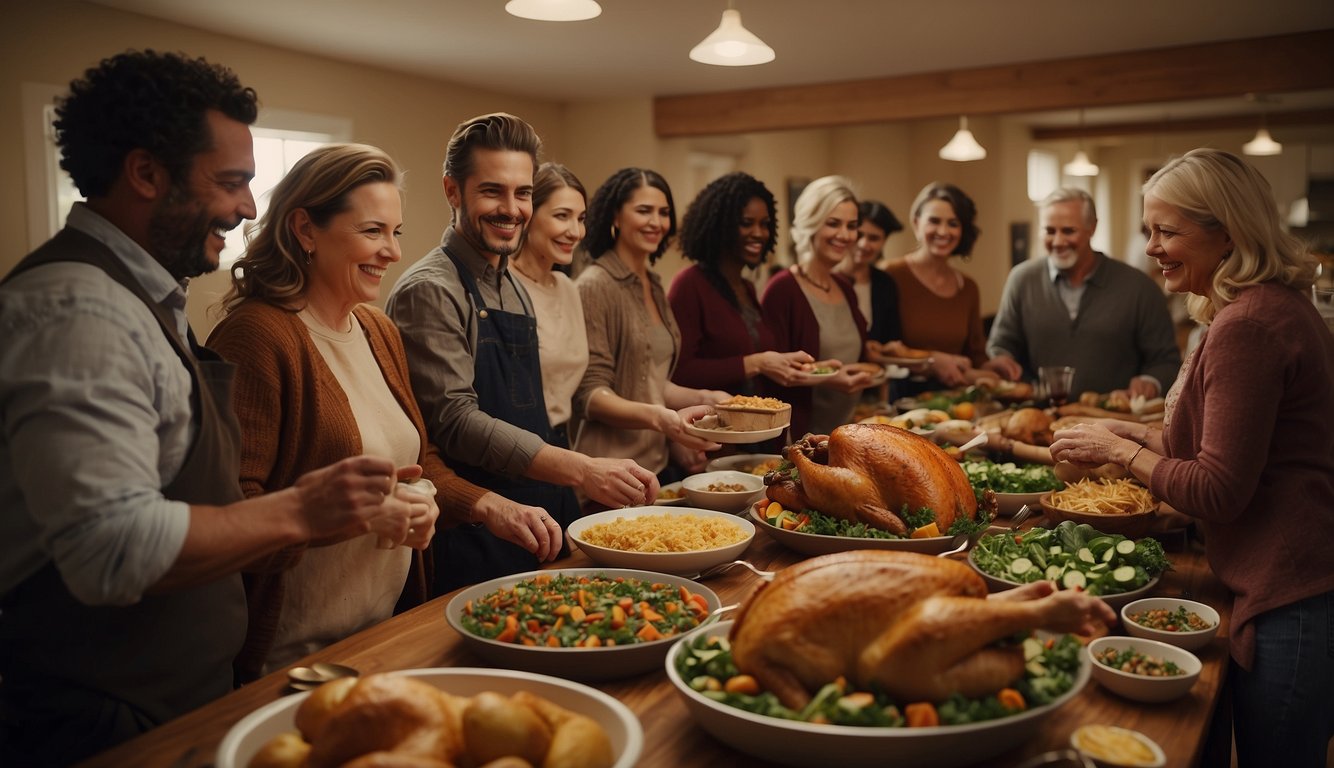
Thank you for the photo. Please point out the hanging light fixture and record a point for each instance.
(1263, 144)
(554, 10)
(1080, 166)
(963, 147)
(732, 45)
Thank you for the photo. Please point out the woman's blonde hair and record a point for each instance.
(1218, 190)
(813, 206)
(274, 265)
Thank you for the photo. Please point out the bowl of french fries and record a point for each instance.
(1119, 505)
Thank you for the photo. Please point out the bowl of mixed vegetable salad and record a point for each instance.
(1172, 620)
(1014, 484)
(1117, 569)
(813, 533)
(579, 623)
(1143, 670)
(866, 728)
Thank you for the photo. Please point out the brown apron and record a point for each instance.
(76, 679)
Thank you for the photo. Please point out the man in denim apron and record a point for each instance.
(471, 340)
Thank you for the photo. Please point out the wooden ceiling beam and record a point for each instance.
(1248, 121)
(1296, 62)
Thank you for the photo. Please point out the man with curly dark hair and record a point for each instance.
(122, 529)
(730, 226)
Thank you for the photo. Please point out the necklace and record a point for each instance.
(801, 272)
(546, 281)
(318, 321)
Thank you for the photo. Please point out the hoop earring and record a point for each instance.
(615, 233)
(309, 256)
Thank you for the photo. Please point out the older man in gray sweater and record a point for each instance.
(1079, 308)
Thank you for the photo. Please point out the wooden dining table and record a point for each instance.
(422, 638)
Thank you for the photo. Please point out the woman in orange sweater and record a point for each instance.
(321, 376)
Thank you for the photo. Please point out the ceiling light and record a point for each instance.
(1080, 166)
(1263, 144)
(554, 10)
(963, 147)
(732, 45)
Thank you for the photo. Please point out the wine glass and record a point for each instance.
(1057, 380)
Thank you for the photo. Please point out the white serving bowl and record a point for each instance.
(809, 744)
(1190, 640)
(1009, 504)
(696, 487)
(1083, 740)
(662, 562)
(1142, 687)
(603, 663)
(742, 462)
(622, 727)
(679, 501)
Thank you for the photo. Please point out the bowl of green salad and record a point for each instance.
(1014, 484)
(1110, 566)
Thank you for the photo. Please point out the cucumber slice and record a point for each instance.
(1022, 565)
(1085, 554)
(1125, 547)
(1032, 648)
(1056, 549)
(1073, 579)
(1124, 574)
(1053, 572)
(1036, 668)
(1109, 554)
(1101, 543)
(1099, 568)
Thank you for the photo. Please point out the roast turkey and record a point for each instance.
(919, 627)
(867, 473)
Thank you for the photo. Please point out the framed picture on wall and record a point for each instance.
(1019, 243)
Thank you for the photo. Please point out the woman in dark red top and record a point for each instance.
(725, 344)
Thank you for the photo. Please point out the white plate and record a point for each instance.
(809, 744)
(679, 501)
(820, 544)
(729, 437)
(742, 462)
(605, 663)
(622, 727)
(660, 562)
(1117, 600)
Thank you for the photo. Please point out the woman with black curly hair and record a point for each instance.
(627, 406)
(725, 344)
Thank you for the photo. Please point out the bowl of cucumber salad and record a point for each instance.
(1073, 556)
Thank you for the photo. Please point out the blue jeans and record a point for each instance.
(1283, 709)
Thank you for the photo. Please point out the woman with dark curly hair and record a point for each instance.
(725, 344)
(627, 405)
(940, 307)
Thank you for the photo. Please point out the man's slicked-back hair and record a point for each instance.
(496, 131)
(144, 100)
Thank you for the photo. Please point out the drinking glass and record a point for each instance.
(1057, 380)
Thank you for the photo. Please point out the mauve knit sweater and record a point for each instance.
(1251, 442)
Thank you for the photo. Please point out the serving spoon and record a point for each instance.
(724, 567)
(317, 674)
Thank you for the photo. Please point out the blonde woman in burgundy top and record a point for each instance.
(1247, 447)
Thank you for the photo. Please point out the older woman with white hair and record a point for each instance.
(810, 307)
(1247, 445)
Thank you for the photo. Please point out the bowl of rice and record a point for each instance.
(681, 540)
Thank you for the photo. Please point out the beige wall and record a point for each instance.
(412, 117)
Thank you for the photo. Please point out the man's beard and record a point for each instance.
(178, 235)
(474, 235)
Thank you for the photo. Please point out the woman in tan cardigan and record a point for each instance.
(322, 376)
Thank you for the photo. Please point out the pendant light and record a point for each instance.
(732, 45)
(1080, 166)
(554, 10)
(963, 147)
(1263, 144)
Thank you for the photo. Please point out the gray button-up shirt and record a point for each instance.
(438, 321)
(96, 421)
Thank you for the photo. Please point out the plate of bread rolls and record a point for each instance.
(454, 716)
